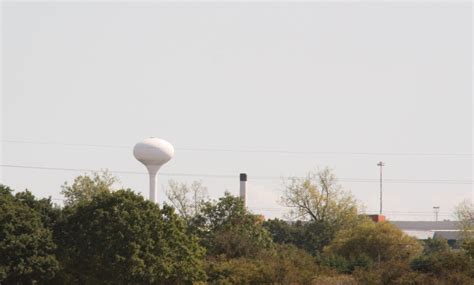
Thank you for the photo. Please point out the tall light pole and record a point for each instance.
(436, 211)
(381, 164)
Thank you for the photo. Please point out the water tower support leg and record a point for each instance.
(153, 187)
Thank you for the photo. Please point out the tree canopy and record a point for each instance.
(48, 212)
(26, 245)
(226, 227)
(320, 202)
(379, 242)
(119, 238)
(319, 198)
(86, 186)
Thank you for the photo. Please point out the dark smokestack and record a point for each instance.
(243, 187)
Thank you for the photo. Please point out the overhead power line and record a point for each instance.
(66, 144)
(363, 210)
(230, 150)
(228, 176)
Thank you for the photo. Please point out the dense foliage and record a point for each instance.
(308, 235)
(103, 236)
(374, 242)
(284, 265)
(119, 238)
(85, 187)
(226, 228)
(26, 244)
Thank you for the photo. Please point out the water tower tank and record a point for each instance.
(153, 153)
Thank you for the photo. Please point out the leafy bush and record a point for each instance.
(286, 265)
(377, 242)
(344, 265)
(436, 245)
(335, 280)
(440, 264)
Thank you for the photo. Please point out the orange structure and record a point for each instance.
(377, 218)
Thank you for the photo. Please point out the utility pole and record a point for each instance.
(436, 211)
(381, 164)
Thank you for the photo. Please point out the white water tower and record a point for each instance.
(153, 153)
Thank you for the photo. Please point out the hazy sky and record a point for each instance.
(390, 80)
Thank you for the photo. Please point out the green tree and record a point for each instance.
(379, 242)
(323, 204)
(119, 238)
(449, 265)
(468, 247)
(435, 245)
(319, 198)
(85, 187)
(226, 227)
(284, 232)
(26, 245)
(307, 235)
(443, 264)
(48, 212)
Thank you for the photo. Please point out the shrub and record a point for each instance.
(286, 265)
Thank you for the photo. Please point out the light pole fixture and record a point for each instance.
(436, 211)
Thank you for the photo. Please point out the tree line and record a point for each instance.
(104, 235)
